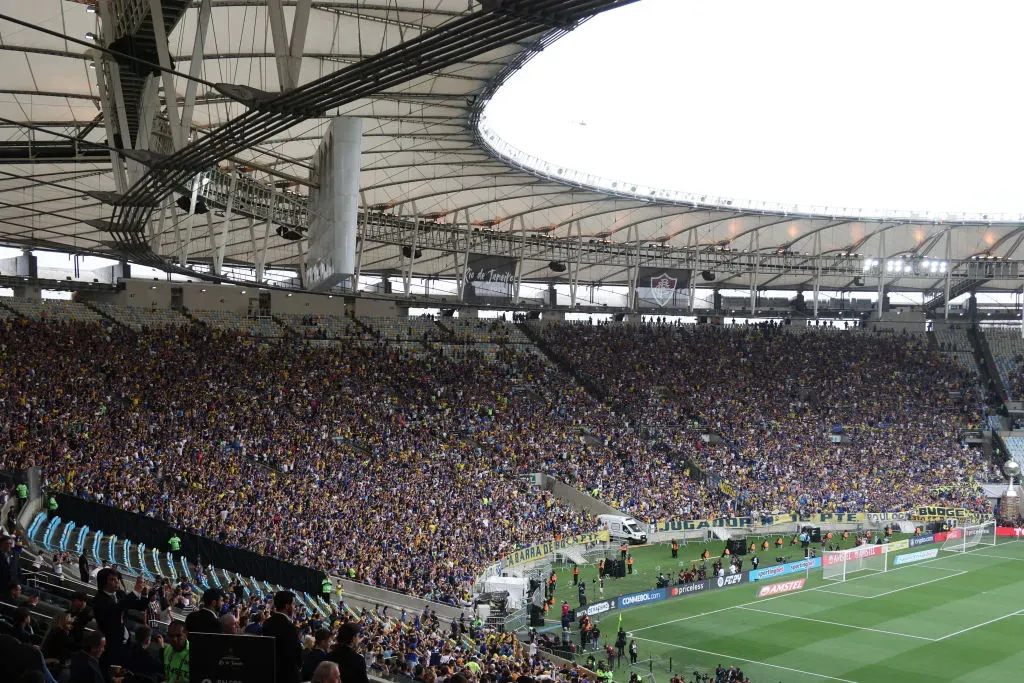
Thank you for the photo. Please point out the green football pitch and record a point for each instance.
(959, 617)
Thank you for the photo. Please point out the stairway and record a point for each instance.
(561, 363)
(103, 314)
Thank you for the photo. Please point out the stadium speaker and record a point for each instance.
(288, 232)
(447, 312)
(557, 266)
(407, 251)
(858, 281)
(533, 315)
(707, 275)
(185, 203)
(619, 317)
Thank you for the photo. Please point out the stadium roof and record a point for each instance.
(420, 73)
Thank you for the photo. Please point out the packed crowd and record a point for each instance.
(406, 471)
(777, 399)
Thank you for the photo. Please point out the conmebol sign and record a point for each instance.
(634, 599)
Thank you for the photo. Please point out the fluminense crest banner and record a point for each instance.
(662, 287)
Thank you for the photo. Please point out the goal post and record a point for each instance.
(839, 564)
(967, 537)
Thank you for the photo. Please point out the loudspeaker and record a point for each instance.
(736, 546)
(185, 201)
(288, 233)
(407, 250)
(557, 266)
(707, 275)
(533, 315)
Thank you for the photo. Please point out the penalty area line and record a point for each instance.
(748, 661)
(836, 623)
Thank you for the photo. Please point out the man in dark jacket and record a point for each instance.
(109, 607)
(206, 620)
(6, 574)
(316, 654)
(351, 664)
(286, 638)
(85, 664)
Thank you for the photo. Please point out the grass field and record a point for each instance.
(959, 617)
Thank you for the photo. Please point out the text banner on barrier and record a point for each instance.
(853, 554)
(929, 554)
(921, 540)
(1010, 531)
(780, 588)
(893, 546)
(783, 569)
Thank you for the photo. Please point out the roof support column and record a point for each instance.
(522, 255)
(164, 57)
(464, 266)
(196, 181)
(407, 274)
(195, 67)
(222, 239)
(755, 247)
(288, 53)
(817, 271)
(361, 228)
(881, 272)
(261, 258)
(949, 271)
(633, 233)
(574, 266)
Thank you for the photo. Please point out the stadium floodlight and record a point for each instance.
(960, 540)
(837, 565)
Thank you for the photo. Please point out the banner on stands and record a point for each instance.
(535, 552)
(670, 525)
(780, 588)
(877, 517)
(783, 569)
(929, 554)
(693, 524)
(937, 513)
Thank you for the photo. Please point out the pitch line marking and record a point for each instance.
(836, 623)
(748, 661)
(905, 588)
(984, 623)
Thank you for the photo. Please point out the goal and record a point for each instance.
(839, 564)
(964, 538)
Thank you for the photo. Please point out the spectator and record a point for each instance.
(176, 654)
(228, 624)
(58, 644)
(85, 664)
(326, 672)
(141, 661)
(351, 664)
(318, 653)
(205, 620)
(281, 627)
(109, 608)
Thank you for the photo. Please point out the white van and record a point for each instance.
(623, 528)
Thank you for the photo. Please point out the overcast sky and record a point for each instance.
(911, 104)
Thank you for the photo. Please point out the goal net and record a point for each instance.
(964, 538)
(838, 565)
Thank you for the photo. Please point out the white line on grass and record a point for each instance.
(925, 563)
(748, 661)
(984, 623)
(836, 623)
(897, 590)
(998, 557)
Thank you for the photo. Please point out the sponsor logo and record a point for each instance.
(688, 588)
(598, 608)
(730, 580)
(782, 569)
(662, 288)
(779, 588)
(641, 598)
(930, 554)
(897, 545)
(921, 540)
(1010, 531)
(851, 554)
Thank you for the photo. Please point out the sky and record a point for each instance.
(911, 106)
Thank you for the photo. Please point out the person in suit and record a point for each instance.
(282, 629)
(318, 653)
(141, 663)
(351, 664)
(206, 620)
(6, 557)
(85, 664)
(108, 608)
(83, 567)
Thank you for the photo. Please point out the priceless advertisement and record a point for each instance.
(783, 569)
(929, 554)
(688, 588)
(780, 588)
